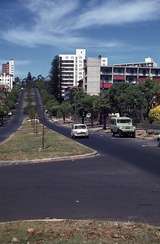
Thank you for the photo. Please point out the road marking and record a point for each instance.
(145, 145)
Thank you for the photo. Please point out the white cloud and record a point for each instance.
(119, 12)
(61, 22)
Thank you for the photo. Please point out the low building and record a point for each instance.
(133, 73)
(130, 73)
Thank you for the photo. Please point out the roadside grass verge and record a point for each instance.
(26, 144)
(78, 232)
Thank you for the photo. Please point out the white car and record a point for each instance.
(79, 130)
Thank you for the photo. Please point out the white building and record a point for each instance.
(12, 67)
(6, 82)
(104, 61)
(71, 69)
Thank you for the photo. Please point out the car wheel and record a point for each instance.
(133, 134)
(120, 133)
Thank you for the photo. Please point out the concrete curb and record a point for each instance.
(48, 160)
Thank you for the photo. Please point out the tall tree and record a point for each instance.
(29, 79)
(55, 81)
(65, 109)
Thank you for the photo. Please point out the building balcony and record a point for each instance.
(141, 74)
(154, 75)
(106, 73)
(131, 74)
(106, 85)
(119, 77)
(119, 74)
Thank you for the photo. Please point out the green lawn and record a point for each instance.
(25, 144)
(78, 232)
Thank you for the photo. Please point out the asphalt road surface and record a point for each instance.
(15, 121)
(122, 183)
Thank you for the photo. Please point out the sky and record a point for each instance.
(34, 31)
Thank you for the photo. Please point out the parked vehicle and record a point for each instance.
(79, 130)
(158, 140)
(122, 126)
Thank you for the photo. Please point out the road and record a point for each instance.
(122, 183)
(16, 120)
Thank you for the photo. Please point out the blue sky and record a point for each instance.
(34, 31)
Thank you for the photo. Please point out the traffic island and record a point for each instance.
(78, 232)
(34, 142)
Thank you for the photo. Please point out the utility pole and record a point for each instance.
(35, 125)
(43, 136)
(43, 130)
(75, 107)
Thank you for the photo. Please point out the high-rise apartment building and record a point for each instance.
(9, 68)
(6, 82)
(8, 75)
(71, 69)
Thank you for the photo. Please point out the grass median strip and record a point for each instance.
(78, 232)
(26, 144)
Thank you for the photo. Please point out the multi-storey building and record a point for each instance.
(91, 82)
(95, 74)
(9, 68)
(6, 82)
(100, 76)
(71, 69)
(8, 75)
(129, 72)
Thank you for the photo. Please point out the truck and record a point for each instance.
(123, 126)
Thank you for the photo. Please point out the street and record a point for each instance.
(15, 121)
(109, 186)
(121, 183)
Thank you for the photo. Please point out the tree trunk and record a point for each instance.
(100, 118)
(64, 118)
(83, 119)
(92, 120)
(141, 115)
(104, 121)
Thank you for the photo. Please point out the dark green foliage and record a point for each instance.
(3, 112)
(55, 81)
(65, 109)
(133, 100)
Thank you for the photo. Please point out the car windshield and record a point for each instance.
(80, 127)
(124, 121)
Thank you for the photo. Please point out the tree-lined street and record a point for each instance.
(122, 183)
